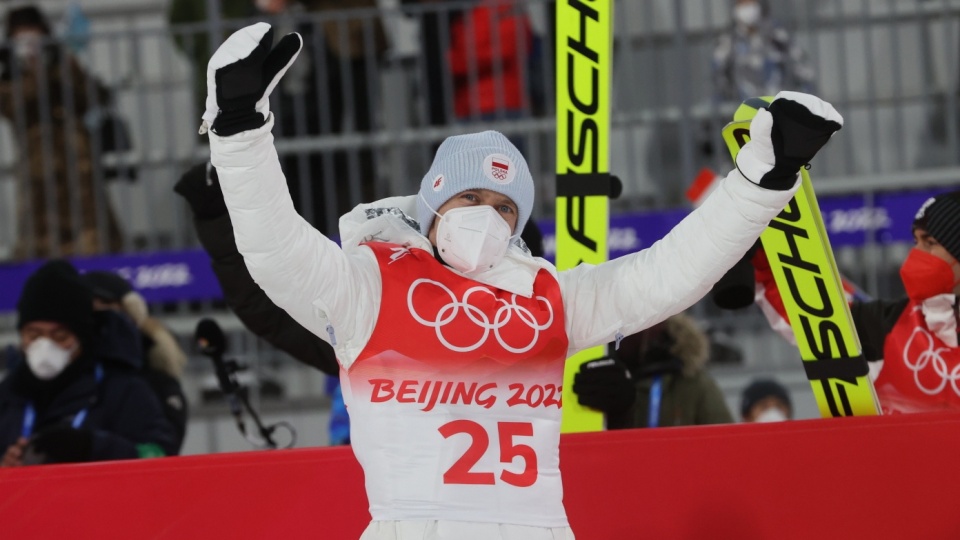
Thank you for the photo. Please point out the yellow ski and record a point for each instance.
(584, 70)
(806, 274)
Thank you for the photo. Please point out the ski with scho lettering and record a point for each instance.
(584, 70)
(800, 256)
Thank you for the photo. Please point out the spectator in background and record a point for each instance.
(765, 400)
(757, 57)
(349, 53)
(656, 378)
(339, 54)
(45, 94)
(489, 56)
(68, 401)
(485, 45)
(163, 359)
(489, 51)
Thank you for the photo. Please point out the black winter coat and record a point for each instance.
(252, 306)
(874, 320)
(118, 340)
(123, 420)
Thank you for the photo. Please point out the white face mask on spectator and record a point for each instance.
(271, 6)
(772, 414)
(472, 238)
(26, 44)
(747, 14)
(46, 359)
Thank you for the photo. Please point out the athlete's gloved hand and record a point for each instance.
(785, 137)
(240, 76)
(200, 186)
(604, 384)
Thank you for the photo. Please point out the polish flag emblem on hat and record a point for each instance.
(499, 168)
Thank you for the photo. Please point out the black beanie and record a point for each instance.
(107, 286)
(56, 293)
(760, 389)
(26, 16)
(940, 216)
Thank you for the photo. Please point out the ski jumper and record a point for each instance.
(452, 383)
(913, 369)
(455, 401)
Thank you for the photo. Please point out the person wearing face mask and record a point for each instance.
(47, 95)
(765, 400)
(914, 340)
(756, 56)
(451, 338)
(911, 342)
(117, 303)
(70, 399)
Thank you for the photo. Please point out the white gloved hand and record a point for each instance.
(241, 75)
(784, 137)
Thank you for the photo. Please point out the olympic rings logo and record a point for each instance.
(931, 357)
(505, 313)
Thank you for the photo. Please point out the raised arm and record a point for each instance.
(639, 290)
(300, 270)
(634, 292)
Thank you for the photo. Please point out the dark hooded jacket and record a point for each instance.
(123, 417)
(163, 359)
(677, 353)
(257, 312)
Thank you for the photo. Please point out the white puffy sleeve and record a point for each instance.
(333, 294)
(639, 290)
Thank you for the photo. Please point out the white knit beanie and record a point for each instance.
(486, 160)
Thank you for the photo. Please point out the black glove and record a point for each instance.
(604, 384)
(60, 444)
(241, 75)
(785, 137)
(200, 186)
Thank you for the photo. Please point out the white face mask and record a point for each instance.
(747, 14)
(26, 44)
(270, 6)
(472, 238)
(771, 414)
(46, 359)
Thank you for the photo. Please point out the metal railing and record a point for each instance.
(353, 128)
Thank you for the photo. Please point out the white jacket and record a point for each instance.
(335, 293)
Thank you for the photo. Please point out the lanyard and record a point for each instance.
(30, 412)
(656, 391)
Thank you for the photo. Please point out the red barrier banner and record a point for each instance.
(877, 477)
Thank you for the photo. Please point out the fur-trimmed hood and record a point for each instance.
(690, 343)
(164, 353)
